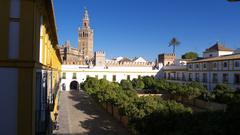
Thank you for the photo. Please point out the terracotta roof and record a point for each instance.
(125, 60)
(217, 47)
(220, 58)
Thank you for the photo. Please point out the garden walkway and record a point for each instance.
(79, 115)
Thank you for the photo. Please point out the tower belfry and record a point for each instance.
(85, 37)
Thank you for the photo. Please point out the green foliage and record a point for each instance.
(149, 82)
(126, 85)
(190, 55)
(138, 84)
(174, 42)
(152, 115)
(223, 93)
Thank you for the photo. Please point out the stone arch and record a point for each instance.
(74, 85)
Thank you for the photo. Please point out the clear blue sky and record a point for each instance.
(145, 27)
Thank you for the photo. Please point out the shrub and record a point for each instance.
(138, 84)
(126, 85)
(223, 93)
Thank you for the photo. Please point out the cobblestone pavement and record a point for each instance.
(79, 115)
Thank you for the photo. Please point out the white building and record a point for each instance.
(73, 75)
(217, 50)
(215, 68)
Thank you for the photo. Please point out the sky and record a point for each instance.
(134, 28)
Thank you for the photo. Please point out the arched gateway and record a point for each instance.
(74, 85)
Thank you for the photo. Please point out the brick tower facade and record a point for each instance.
(85, 38)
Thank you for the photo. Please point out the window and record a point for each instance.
(63, 75)
(225, 64)
(237, 79)
(178, 76)
(87, 76)
(225, 78)
(114, 78)
(197, 66)
(104, 77)
(128, 77)
(204, 65)
(237, 64)
(14, 31)
(74, 76)
(190, 66)
(215, 65)
(190, 77)
(96, 76)
(197, 77)
(183, 77)
(165, 75)
(215, 78)
(205, 77)
(139, 76)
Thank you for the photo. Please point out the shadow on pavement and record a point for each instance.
(98, 121)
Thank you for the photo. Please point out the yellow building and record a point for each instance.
(30, 66)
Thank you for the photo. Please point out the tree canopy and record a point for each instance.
(174, 42)
(190, 55)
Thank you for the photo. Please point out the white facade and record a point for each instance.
(111, 73)
(216, 53)
(209, 72)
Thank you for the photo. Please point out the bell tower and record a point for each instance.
(85, 37)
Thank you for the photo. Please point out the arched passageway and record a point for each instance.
(74, 85)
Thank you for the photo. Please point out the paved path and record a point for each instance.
(79, 115)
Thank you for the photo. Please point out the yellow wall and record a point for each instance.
(28, 61)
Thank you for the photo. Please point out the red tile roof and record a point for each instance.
(217, 47)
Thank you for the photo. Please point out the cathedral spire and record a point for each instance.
(86, 18)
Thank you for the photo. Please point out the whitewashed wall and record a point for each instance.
(120, 72)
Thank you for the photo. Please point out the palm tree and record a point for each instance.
(174, 42)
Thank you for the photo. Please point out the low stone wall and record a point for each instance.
(200, 103)
(210, 105)
(144, 95)
(113, 110)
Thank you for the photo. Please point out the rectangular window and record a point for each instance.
(237, 79)
(128, 77)
(87, 76)
(236, 64)
(225, 78)
(63, 75)
(13, 50)
(183, 77)
(178, 76)
(190, 66)
(15, 9)
(215, 78)
(165, 75)
(104, 77)
(205, 77)
(204, 65)
(197, 66)
(96, 76)
(215, 65)
(114, 78)
(225, 64)
(190, 77)
(197, 77)
(74, 76)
